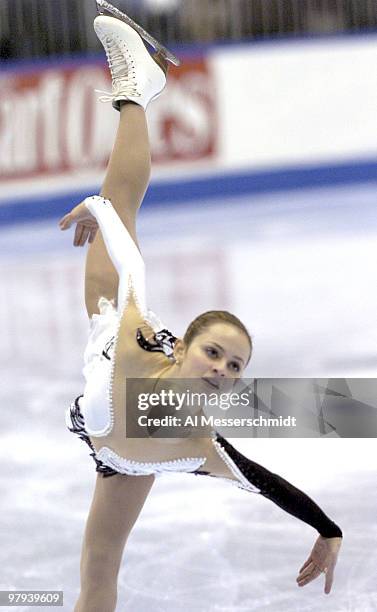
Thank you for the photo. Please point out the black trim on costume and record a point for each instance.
(162, 342)
(78, 428)
(108, 346)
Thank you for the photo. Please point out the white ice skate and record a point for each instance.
(136, 77)
(105, 7)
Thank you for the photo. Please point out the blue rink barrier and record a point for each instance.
(164, 193)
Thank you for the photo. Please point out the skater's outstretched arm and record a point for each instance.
(323, 556)
(282, 493)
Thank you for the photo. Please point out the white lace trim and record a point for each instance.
(137, 468)
(242, 483)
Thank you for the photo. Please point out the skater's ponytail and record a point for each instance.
(205, 320)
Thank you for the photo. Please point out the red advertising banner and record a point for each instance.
(51, 121)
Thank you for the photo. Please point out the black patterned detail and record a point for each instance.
(162, 342)
(78, 428)
(108, 347)
(281, 492)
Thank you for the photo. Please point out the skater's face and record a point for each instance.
(218, 353)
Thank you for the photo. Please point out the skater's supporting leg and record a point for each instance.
(116, 505)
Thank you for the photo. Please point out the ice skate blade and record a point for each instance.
(102, 5)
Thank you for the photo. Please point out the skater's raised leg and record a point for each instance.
(137, 78)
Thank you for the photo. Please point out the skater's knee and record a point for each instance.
(99, 566)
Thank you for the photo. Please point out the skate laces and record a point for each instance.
(120, 89)
(122, 70)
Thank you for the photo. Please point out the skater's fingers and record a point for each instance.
(84, 236)
(78, 233)
(308, 560)
(79, 213)
(92, 234)
(305, 579)
(305, 572)
(65, 222)
(329, 579)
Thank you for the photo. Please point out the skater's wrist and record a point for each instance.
(94, 202)
(331, 531)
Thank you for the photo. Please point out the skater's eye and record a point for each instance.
(212, 352)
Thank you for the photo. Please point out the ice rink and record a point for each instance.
(299, 269)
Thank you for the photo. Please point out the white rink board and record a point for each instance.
(296, 103)
(283, 105)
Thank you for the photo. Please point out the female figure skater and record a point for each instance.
(127, 341)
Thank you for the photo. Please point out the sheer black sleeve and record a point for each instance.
(282, 493)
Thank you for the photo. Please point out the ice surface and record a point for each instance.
(199, 545)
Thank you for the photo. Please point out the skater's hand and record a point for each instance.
(322, 558)
(86, 227)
